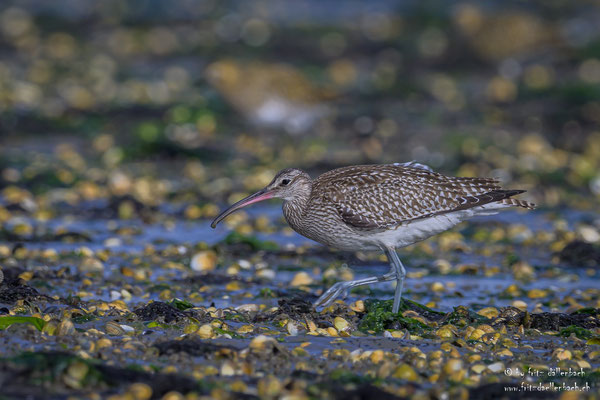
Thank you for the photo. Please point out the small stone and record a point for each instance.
(505, 353)
(478, 368)
(445, 332)
(377, 356)
(341, 324)
(227, 369)
(444, 267)
(206, 331)
(523, 271)
(301, 279)
(358, 306)
(91, 264)
(268, 387)
(245, 329)
(292, 328)
(496, 367)
(520, 304)
(489, 312)
(103, 343)
(65, 328)
(113, 242)
(453, 365)
(405, 372)
(537, 293)
(266, 273)
(204, 261)
(248, 308)
(173, 395)
(140, 391)
(113, 328)
(593, 341)
(260, 342)
(233, 286)
(454, 369)
(476, 334)
(562, 354)
(583, 364)
(75, 374)
(437, 287)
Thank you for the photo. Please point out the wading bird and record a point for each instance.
(378, 207)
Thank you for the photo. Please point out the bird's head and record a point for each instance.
(288, 184)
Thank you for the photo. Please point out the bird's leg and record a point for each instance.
(340, 288)
(400, 273)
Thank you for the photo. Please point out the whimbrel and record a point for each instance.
(378, 207)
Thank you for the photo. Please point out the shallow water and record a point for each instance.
(473, 289)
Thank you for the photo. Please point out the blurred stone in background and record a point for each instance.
(245, 88)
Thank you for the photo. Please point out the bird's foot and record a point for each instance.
(335, 291)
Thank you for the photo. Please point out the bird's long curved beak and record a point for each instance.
(261, 195)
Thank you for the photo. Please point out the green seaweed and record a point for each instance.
(83, 318)
(181, 305)
(346, 377)
(252, 241)
(587, 311)
(580, 333)
(266, 293)
(237, 317)
(7, 321)
(380, 317)
(234, 335)
(461, 316)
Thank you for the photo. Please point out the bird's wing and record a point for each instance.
(378, 197)
(414, 164)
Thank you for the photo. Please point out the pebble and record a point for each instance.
(562, 354)
(405, 372)
(65, 328)
(437, 287)
(103, 343)
(227, 369)
(247, 308)
(445, 332)
(266, 273)
(140, 391)
(204, 261)
(292, 328)
(341, 324)
(206, 331)
(489, 312)
(496, 367)
(520, 304)
(113, 328)
(91, 264)
(358, 306)
(260, 342)
(268, 387)
(301, 279)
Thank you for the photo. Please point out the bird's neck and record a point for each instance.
(294, 209)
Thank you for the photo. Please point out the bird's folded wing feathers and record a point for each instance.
(385, 197)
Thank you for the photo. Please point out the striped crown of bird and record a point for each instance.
(379, 207)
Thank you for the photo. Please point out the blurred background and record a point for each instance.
(196, 102)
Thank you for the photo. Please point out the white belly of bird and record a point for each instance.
(416, 231)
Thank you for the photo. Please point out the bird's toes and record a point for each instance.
(331, 294)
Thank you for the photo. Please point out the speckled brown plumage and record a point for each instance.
(381, 196)
(370, 207)
(348, 207)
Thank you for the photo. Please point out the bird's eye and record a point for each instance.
(284, 182)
